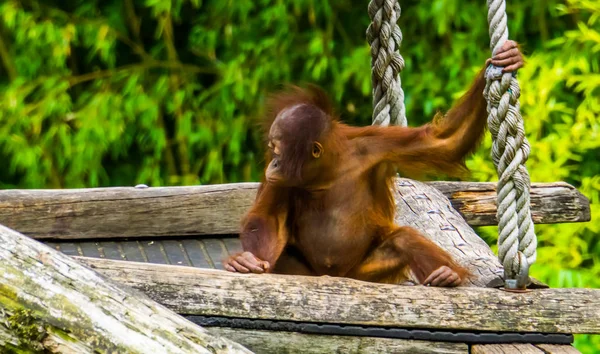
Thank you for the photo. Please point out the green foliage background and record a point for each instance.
(166, 92)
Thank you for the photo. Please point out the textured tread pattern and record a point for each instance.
(200, 253)
(398, 333)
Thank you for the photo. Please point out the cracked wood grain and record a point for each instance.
(217, 209)
(195, 291)
(425, 208)
(51, 303)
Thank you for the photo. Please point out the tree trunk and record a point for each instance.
(51, 303)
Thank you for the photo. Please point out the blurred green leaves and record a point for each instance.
(168, 92)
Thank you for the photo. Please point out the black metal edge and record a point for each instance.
(383, 332)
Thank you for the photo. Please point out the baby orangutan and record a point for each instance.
(325, 205)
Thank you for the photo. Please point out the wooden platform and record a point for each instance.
(174, 239)
(186, 291)
(179, 289)
(193, 291)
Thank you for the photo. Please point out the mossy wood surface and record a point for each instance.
(51, 303)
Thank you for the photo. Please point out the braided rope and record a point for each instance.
(384, 37)
(516, 240)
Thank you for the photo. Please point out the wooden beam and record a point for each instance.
(551, 203)
(523, 349)
(52, 304)
(126, 212)
(505, 349)
(557, 349)
(301, 343)
(195, 291)
(217, 209)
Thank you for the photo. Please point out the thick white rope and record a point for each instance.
(510, 149)
(384, 37)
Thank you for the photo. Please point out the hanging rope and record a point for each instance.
(510, 150)
(384, 37)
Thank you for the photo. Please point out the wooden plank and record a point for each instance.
(195, 291)
(126, 212)
(132, 251)
(216, 251)
(70, 249)
(301, 343)
(505, 349)
(111, 250)
(197, 253)
(154, 252)
(175, 253)
(233, 245)
(556, 202)
(558, 349)
(90, 249)
(49, 303)
(217, 209)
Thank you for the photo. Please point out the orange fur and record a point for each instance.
(338, 216)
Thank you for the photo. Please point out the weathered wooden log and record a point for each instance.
(50, 303)
(217, 209)
(425, 208)
(196, 291)
(557, 349)
(300, 343)
(523, 349)
(551, 203)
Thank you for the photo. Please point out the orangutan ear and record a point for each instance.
(317, 150)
